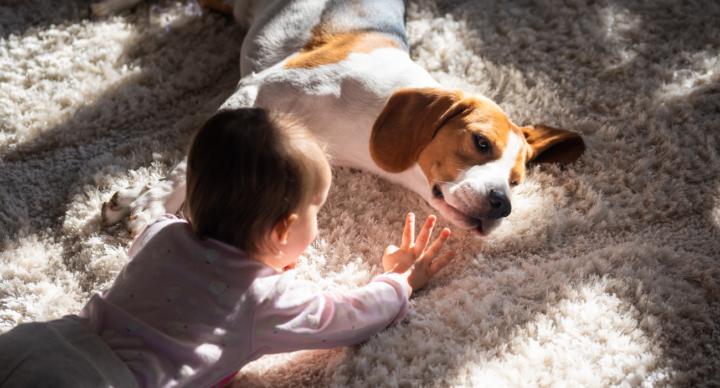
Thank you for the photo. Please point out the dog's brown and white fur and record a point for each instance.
(343, 69)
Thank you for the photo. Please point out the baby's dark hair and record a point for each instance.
(247, 170)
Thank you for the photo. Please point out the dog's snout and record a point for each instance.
(499, 204)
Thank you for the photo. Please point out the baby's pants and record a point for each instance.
(59, 353)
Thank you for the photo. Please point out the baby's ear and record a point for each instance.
(283, 227)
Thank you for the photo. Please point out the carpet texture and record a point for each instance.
(607, 273)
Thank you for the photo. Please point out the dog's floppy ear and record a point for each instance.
(408, 123)
(552, 145)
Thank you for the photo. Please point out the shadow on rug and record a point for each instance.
(605, 274)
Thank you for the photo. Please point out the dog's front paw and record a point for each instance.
(141, 204)
(146, 208)
(138, 206)
(118, 207)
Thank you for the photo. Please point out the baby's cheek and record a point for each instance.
(313, 234)
(309, 234)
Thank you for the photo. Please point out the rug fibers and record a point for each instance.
(606, 274)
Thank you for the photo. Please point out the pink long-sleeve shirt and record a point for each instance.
(186, 312)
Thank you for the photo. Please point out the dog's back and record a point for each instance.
(376, 16)
(280, 28)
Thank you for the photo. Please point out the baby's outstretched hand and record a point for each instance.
(411, 258)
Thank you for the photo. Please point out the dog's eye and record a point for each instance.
(513, 183)
(482, 144)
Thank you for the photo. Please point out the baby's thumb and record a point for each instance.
(390, 250)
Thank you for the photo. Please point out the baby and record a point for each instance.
(201, 298)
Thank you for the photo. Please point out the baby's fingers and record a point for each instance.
(408, 232)
(441, 263)
(424, 236)
(437, 245)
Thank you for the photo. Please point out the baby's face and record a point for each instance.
(301, 234)
(303, 231)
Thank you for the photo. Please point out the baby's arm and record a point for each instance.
(296, 314)
(293, 314)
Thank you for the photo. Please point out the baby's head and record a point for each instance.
(256, 180)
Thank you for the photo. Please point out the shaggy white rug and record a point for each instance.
(607, 273)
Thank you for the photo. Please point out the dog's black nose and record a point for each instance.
(499, 204)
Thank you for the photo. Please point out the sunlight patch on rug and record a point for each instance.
(619, 23)
(586, 339)
(703, 71)
(48, 74)
(605, 274)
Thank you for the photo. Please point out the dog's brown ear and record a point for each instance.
(408, 123)
(553, 145)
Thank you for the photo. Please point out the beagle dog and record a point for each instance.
(342, 68)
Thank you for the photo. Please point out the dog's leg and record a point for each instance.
(217, 5)
(108, 7)
(277, 29)
(145, 203)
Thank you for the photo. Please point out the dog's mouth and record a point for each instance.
(437, 193)
(479, 228)
(467, 221)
